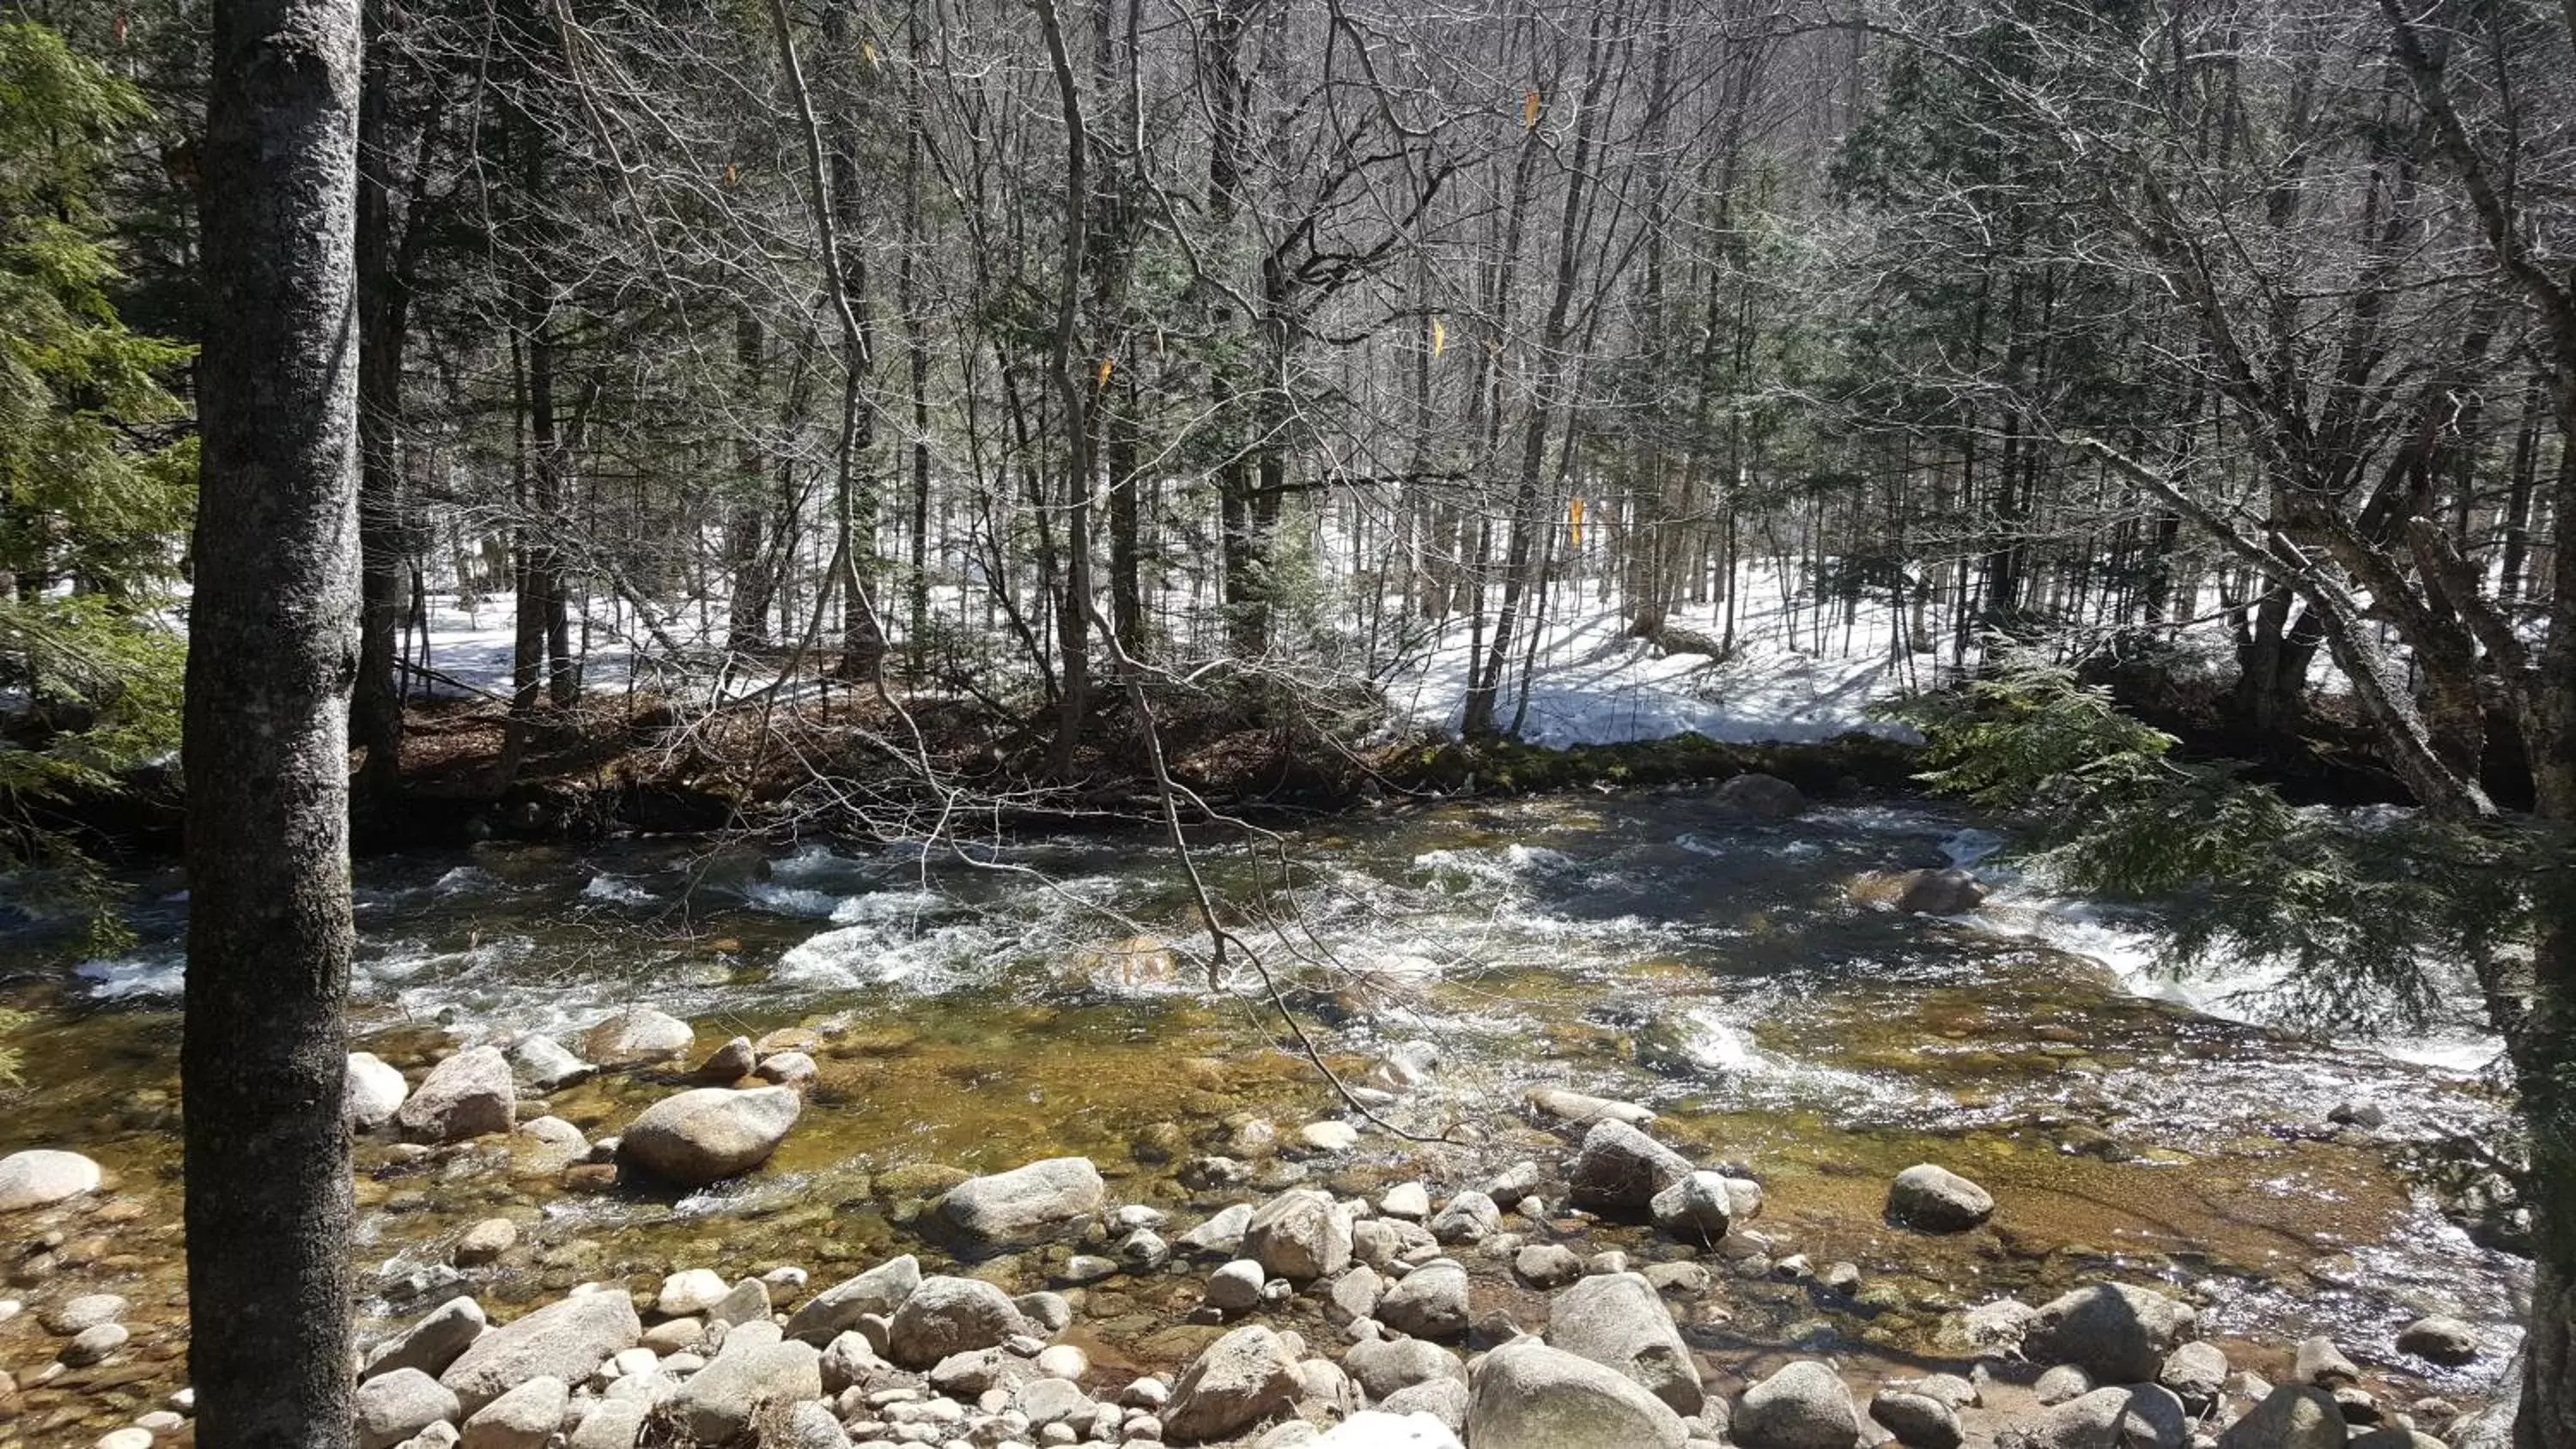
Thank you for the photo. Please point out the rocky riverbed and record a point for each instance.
(1786, 1083)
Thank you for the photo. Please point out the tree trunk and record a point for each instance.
(273, 648)
(376, 717)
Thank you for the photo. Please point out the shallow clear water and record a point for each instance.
(1646, 947)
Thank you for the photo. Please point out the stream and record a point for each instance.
(1649, 947)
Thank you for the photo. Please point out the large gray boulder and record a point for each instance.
(1429, 1302)
(709, 1133)
(2293, 1417)
(1937, 1200)
(433, 1343)
(1617, 1320)
(636, 1035)
(837, 1309)
(1238, 1381)
(2116, 1333)
(1803, 1406)
(947, 1315)
(567, 1340)
(1621, 1167)
(2135, 1416)
(393, 1407)
(753, 1369)
(467, 1095)
(1300, 1235)
(1526, 1395)
(1026, 1204)
(375, 1091)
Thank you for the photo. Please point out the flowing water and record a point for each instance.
(1644, 946)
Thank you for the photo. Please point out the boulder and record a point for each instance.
(485, 1242)
(729, 1063)
(524, 1418)
(708, 1134)
(2116, 1333)
(2137, 1416)
(1025, 1205)
(753, 1369)
(1385, 1367)
(1220, 1236)
(89, 1310)
(2197, 1374)
(612, 1424)
(1617, 1320)
(567, 1340)
(1700, 1207)
(374, 1092)
(431, 1344)
(2061, 1384)
(1243, 1378)
(1429, 1302)
(2439, 1339)
(95, 1344)
(545, 1064)
(747, 1301)
(1442, 1399)
(1382, 1242)
(1235, 1287)
(787, 1069)
(1937, 1200)
(1469, 1217)
(1353, 1294)
(850, 1360)
(1919, 1421)
(1939, 892)
(1621, 1167)
(947, 1315)
(1583, 1110)
(467, 1095)
(1385, 1429)
(1526, 1395)
(639, 1034)
(836, 1310)
(1764, 797)
(393, 1407)
(1300, 1235)
(1547, 1265)
(807, 1426)
(690, 1293)
(2321, 1363)
(1803, 1406)
(1408, 1200)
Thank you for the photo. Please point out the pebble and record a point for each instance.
(160, 1421)
(95, 1344)
(85, 1312)
(126, 1439)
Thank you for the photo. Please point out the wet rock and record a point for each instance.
(1241, 1379)
(1547, 1265)
(2140, 1416)
(524, 1418)
(1300, 1235)
(1699, 1207)
(1918, 1421)
(1429, 1302)
(2324, 1365)
(1408, 1200)
(485, 1242)
(754, 1368)
(1026, 1204)
(1236, 1287)
(1621, 1167)
(1469, 1217)
(1405, 1066)
(568, 1340)
(1618, 1321)
(881, 1290)
(2365, 1115)
(95, 1344)
(2197, 1374)
(729, 1063)
(1526, 1395)
(1937, 1200)
(545, 1064)
(433, 1343)
(1384, 1367)
(548, 1145)
(1939, 892)
(1389, 1429)
(1221, 1235)
(708, 1134)
(2117, 1333)
(374, 1093)
(947, 1315)
(467, 1095)
(1764, 797)
(1803, 1406)
(1583, 1110)
(1142, 1251)
(89, 1310)
(2290, 1417)
(2439, 1339)
(787, 1069)
(637, 1035)
(393, 1407)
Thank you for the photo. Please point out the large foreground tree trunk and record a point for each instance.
(272, 649)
